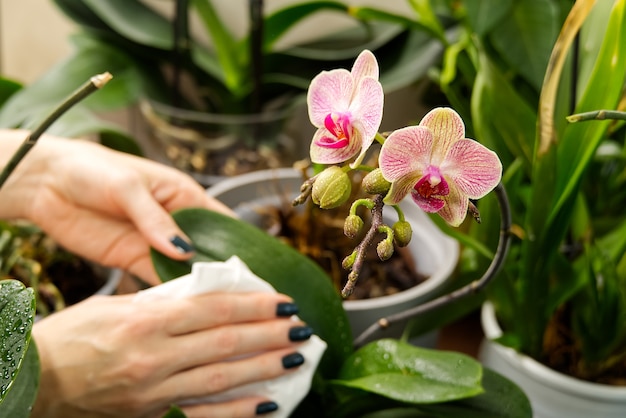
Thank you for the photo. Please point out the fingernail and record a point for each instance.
(181, 245)
(300, 333)
(292, 360)
(286, 309)
(266, 408)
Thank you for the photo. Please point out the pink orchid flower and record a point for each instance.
(347, 108)
(439, 166)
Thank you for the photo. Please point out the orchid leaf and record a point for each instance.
(513, 128)
(279, 22)
(483, 15)
(217, 237)
(92, 57)
(135, 21)
(525, 37)
(17, 314)
(411, 374)
(414, 24)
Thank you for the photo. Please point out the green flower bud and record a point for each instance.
(348, 262)
(375, 183)
(352, 226)
(332, 188)
(384, 249)
(402, 233)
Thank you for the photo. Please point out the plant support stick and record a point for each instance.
(94, 83)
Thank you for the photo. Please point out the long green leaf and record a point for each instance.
(20, 400)
(232, 56)
(218, 237)
(17, 314)
(411, 374)
(279, 22)
(135, 21)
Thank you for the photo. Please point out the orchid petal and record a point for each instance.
(329, 92)
(447, 128)
(365, 65)
(367, 107)
(399, 189)
(454, 210)
(406, 152)
(475, 169)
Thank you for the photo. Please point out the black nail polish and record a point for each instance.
(292, 360)
(286, 309)
(300, 333)
(181, 245)
(266, 408)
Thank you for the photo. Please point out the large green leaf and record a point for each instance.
(19, 402)
(135, 21)
(218, 237)
(411, 374)
(525, 37)
(92, 57)
(17, 313)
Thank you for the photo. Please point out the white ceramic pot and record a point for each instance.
(551, 394)
(435, 253)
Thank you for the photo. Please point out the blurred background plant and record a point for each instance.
(188, 68)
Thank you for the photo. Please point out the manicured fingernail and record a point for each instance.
(181, 245)
(266, 408)
(300, 333)
(292, 360)
(286, 309)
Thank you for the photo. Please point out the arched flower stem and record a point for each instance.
(472, 288)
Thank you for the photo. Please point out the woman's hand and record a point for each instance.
(112, 357)
(104, 205)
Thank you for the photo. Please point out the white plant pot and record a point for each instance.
(551, 394)
(435, 253)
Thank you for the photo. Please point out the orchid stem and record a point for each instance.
(597, 115)
(470, 289)
(85, 90)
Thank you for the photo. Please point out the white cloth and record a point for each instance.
(234, 276)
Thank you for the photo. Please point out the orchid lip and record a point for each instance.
(328, 142)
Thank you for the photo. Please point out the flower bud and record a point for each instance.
(384, 249)
(352, 226)
(402, 233)
(375, 183)
(332, 188)
(348, 262)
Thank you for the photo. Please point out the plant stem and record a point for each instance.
(597, 115)
(472, 288)
(85, 90)
(361, 249)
